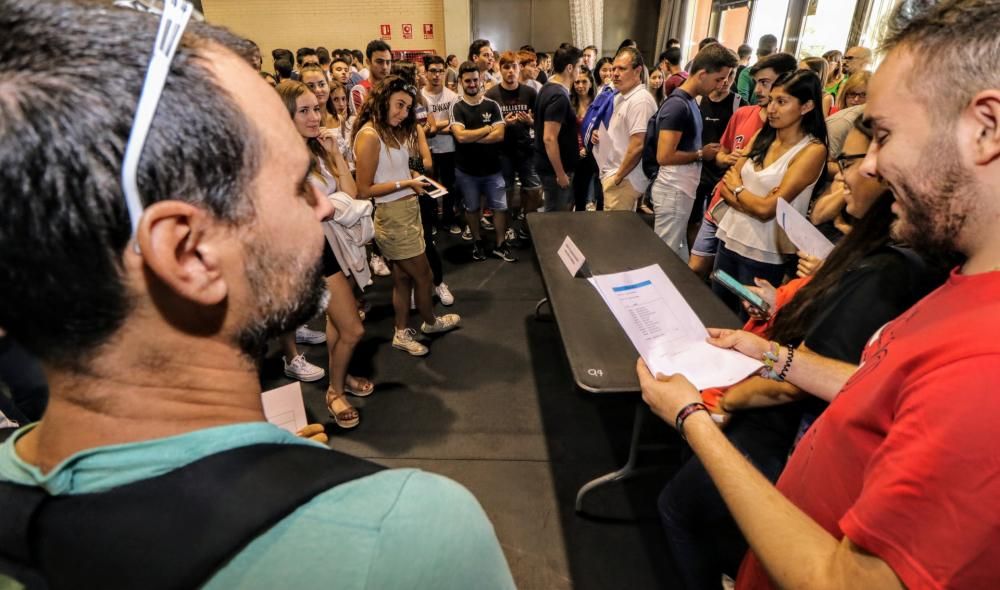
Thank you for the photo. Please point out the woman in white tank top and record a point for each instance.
(384, 127)
(343, 327)
(786, 160)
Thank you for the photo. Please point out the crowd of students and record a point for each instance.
(859, 456)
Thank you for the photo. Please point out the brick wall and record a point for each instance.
(331, 24)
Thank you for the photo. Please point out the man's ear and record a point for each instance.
(984, 114)
(180, 243)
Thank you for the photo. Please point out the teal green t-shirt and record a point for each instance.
(399, 528)
(745, 87)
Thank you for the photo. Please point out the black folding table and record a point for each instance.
(601, 357)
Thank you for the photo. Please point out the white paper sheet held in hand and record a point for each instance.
(802, 232)
(666, 331)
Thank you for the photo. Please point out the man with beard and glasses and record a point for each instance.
(148, 332)
(895, 484)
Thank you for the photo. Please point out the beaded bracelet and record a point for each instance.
(788, 364)
(770, 357)
(684, 413)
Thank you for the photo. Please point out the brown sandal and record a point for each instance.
(348, 418)
(362, 387)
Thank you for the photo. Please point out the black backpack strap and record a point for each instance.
(171, 531)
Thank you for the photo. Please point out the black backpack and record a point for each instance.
(168, 532)
(649, 164)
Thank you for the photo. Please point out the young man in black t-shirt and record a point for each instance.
(556, 144)
(478, 127)
(517, 103)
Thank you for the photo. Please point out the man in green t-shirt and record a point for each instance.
(767, 45)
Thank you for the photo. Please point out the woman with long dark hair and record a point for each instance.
(584, 179)
(785, 161)
(386, 125)
(866, 281)
(330, 174)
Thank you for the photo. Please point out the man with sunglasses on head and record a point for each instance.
(148, 285)
(620, 148)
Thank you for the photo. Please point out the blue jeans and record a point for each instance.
(556, 198)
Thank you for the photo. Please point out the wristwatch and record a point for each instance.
(701, 156)
(397, 185)
(737, 191)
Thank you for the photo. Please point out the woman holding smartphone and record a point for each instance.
(386, 125)
(785, 161)
(866, 281)
(344, 330)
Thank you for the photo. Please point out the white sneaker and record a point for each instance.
(467, 235)
(591, 206)
(442, 323)
(303, 335)
(302, 369)
(444, 294)
(379, 266)
(406, 341)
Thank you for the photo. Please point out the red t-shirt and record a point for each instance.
(744, 124)
(359, 92)
(905, 461)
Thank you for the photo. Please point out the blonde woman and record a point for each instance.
(343, 327)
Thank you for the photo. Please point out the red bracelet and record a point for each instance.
(684, 413)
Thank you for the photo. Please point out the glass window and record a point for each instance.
(767, 17)
(874, 27)
(827, 26)
(733, 26)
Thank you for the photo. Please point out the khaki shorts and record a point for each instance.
(398, 231)
(619, 198)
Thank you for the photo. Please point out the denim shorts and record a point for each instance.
(524, 167)
(706, 244)
(473, 187)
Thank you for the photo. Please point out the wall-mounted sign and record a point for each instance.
(428, 31)
(385, 31)
(407, 31)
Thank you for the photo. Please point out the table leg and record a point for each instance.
(628, 470)
(538, 307)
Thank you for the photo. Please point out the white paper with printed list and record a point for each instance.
(802, 232)
(666, 331)
(284, 408)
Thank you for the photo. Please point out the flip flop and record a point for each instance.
(364, 389)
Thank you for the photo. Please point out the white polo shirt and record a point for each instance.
(631, 114)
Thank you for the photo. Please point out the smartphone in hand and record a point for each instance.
(754, 300)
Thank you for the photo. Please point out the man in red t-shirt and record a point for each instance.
(379, 56)
(897, 484)
(742, 127)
